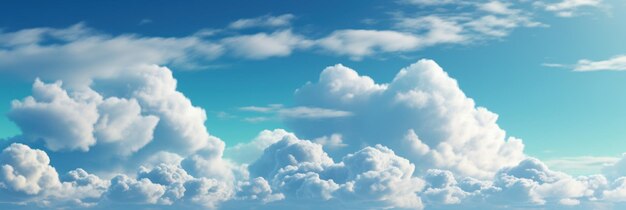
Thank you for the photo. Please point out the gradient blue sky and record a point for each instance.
(556, 111)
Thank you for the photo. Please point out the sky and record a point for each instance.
(269, 104)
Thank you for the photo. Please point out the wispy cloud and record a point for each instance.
(569, 8)
(581, 165)
(263, 21)
(299, 112)
(615, 63)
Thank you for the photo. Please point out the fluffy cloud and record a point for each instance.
(422, 115)
(52, 115)
(26, 171)
(128, 119)
(373, 177)
(251, 151)
(27, 177)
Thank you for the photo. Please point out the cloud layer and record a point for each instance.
(417, 142)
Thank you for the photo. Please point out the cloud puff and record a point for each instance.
(26, 171)
(372, 177)
(27, 177)
(422, 115)
(52, 115)
(251, 151)
(127, 120)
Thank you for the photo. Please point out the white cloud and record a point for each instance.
(298, 112)
(429, 2)
(439, 30)
(360, 43)
(263, 21)
(257, 189)
(478, 21)
(63, 122)
(583, 165)
(79, 54)
(311, 113)
(616, 63)
(373, 177)
(497, 7)
(128, 190)
(26, 171)
(26, 176)
(569, 8)
(251, 151)
(263, 45)
(126, 120)
(421, 98)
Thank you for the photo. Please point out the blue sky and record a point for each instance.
(552, 71)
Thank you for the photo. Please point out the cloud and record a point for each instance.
(298, 112)
(373, 177)
(251, 151)
(78, 54)
(422, 115)
(263, 21)
(583, 165)
(26, 176)
(50, 114)
(127, 190)
(126, 120)
(26, 171)
(428, 2)
(359, 43)
(263, 45)
(479, 21)
(569, 8)
(616, 63)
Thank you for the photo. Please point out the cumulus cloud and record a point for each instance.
(62, 122)
(129, 119)
(373, 177)
(251, 151)
(26, 176)
(26, 171)
(422, 115)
